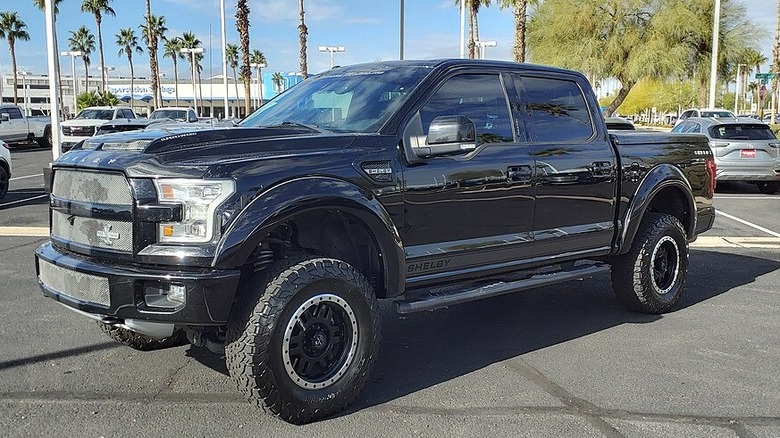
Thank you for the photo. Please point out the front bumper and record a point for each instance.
(117, 291)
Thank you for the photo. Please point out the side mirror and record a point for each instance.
(4, 117)
(448, 135)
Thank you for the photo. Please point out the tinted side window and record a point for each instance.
(129, 114)
(481, 98)
(556, 110)
(14, 113)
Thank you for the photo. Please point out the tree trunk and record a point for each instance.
(472, 43)
(152, 54)
(13, 68)
(521, 7)
(132, 83)
(621, 96)
(303, 31)
(100, 46)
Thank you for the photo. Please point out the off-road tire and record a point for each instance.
(45, 141)
(650, 278)
(768, 187)
(258, 347)
(141, 342)
(4, 182)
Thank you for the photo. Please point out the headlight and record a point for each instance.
(199, 200)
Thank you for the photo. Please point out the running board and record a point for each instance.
(432, 299)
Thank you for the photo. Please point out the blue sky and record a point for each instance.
(368, 30)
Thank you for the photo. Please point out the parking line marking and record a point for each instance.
(751, 198)
(23, 200)
(736, 242)
(24, 231)
(24, 177)
(750, 224)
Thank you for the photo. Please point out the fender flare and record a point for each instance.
(659, 178)
(290, 198)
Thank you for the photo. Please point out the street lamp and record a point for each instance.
(714, 64)
(482, 45)
(259, 66)
(332, 50)
(73, 56)
(192, 52)
(23, 74)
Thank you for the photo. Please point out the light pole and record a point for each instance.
(714, 64)
(259, 66)
(736, 91)
(23, 74)
(462, 28)
(332, 50)
(73, 56)
(192, 52)
(224, 57)
(482, 45)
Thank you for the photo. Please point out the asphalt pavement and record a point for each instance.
(553, 362)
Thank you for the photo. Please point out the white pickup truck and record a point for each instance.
(16, 128)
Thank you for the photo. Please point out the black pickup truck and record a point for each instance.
(430, 183)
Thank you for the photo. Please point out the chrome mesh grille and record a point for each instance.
(83, 287)
(95, 187)
(98, 233)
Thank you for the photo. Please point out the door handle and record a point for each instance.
(522, 174)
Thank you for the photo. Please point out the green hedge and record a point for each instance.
(776, 130)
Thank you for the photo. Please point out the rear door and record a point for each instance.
(576, 166)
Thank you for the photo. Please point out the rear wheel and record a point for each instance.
(768, 187)
(141, 342)
(650, 278)
(302, 339)
(45, 141)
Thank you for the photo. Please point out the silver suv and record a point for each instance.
(743, 150)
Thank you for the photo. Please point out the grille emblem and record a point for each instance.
(72, 219)
(107, 236)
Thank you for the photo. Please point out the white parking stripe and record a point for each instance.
(750, 198)
(24, 231)
(25, 177)
(750, 224)
(23, 200)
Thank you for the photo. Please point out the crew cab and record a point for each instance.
(429, 183)
(15, 127)
(88, 121)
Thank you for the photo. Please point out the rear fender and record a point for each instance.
(288, 199)
(659, 178)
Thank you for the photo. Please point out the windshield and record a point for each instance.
(169, 114)
(742, 132)
(717, 114)
(103, 114)
(342, 101)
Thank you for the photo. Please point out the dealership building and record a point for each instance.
(209, 95)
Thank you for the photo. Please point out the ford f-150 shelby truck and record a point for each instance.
(431, 183)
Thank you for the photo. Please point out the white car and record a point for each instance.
(5, 168)
(180, 114)
(715, 113)
(88, 121)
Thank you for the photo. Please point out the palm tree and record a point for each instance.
(242, 23)
(303, 32)
(278, 81)
(12, 28)
(520, 11)
(473, 7)
(755, 58)
(173, 48)
(190, 41)
(232, 59)
(98, 8)
(258, 59)
(128, 43)
(41, 4)
(152, 32)
(82, 40)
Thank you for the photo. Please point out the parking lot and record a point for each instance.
(562, 361)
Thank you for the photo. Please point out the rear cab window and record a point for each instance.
(556, 110)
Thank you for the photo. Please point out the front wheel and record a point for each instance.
(303, 336)
(650, 278)
(4, 182)
(768, 187)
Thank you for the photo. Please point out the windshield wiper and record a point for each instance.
(289, 124)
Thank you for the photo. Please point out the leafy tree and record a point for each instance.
(172, 50)
(231, 53)
(98, 8)
(278, 81)
(13, 29)
(94, 98)
(82, 40)
(242, 24)
(473, 10)
(190, 41)
(128, 43)
(258, 59)
(152, 32)
(303, 33)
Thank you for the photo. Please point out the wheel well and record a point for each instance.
(328, 233)
(672, 200)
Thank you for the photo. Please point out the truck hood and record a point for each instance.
(84, 122)
(184, 151)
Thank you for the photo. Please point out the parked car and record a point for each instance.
(768, 118)
(180, 114)
(716, 113)
(428, 183)
(125, 125)
(88, 121)
(744, 150)
(15, 127)
(619, 124)
(5, 168)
